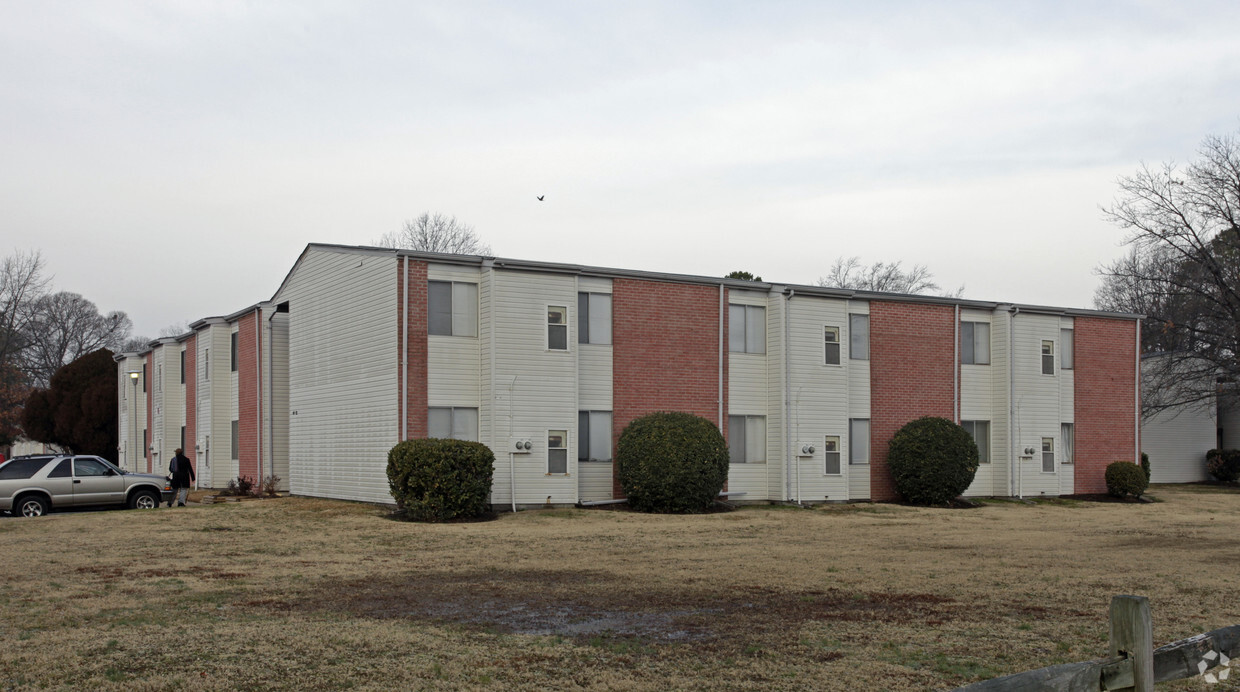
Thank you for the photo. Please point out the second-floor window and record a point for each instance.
(593, 318)
(832, 346)
(746, 329)
(1048, 357)
(1066, 348)
(557, 328)
(452, 308)
(975, 343)
(859, 337)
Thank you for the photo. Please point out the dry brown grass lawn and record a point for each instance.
(306, 594)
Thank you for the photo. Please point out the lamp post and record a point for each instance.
(133, 377)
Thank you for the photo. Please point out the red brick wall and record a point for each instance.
(147, 369)
(1105, 398)
(248, 399)
(665, 352)
(191, 399)
(416, 350)
(912, 368)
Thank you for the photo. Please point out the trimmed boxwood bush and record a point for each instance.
(671, 462)
(437, 480)
(1224, 464)
(1145, 466)
(1125, 478)
(932, 460)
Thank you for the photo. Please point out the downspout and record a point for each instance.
(403, 407)
(1013, 466)
(1136, 423)
(512, 457)
(489, 266)
(790, 466)
(271, 449)
(956, 368)
(258, 398)
(719, 400)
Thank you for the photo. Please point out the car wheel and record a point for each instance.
(31, 506)
(144, 499)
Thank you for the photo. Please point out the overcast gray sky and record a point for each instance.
(172, 158)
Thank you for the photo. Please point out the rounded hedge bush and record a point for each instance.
(671, 462)
(438, 480)
(1125, 478)
(1224, 464)
(1145, 466)
(932, 461)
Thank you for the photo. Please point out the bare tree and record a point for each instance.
(22, 285)
(436, 233)
(174, 329)
(64, 327)
(1182, 272)
(887, 277)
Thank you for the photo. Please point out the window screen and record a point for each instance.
(594, 435)
(859, 337)
(859, 441)
(746, 329)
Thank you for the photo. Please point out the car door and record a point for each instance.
(96, 483)
(59, 483)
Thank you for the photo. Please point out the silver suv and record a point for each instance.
(33, 486)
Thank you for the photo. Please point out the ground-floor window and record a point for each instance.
(594, 436)
(831, 450)
(980, 430)
(1048, 455)
(452, 422)
(747, 439)
(858, 440)
(557, 451)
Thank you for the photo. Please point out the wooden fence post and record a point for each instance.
(1132, 636)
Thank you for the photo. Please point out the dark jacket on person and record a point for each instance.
(182, 471)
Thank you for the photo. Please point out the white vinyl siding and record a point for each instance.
(276, 433)
(979, 400)
(1177, 440)
(343, 373)
(1038, 402)
(857, 388)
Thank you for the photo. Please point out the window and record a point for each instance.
(557, 328)
(182, 367)
(63, 470)
(452, 308)
(859, 337)
(980, 430)
(858, 440)
(746, 329)
(21, 469)
(453, 422)
(182, 445)
(146, 443)
(1048, 357)
(593, 318)
(557, 451)
(832, 345)
(236, 443)
(1066, 348)
(747, 439)
(233, 353)
(1068, 439)
(83, 467)
(594, 436)
(146, 371)
(975, 343)
(1048, 455)
(831, 450)
(206, 364)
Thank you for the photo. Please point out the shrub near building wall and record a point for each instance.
(438, 480)
(1125, 478)
(1223, 464)
(671, 462)
(932, 460)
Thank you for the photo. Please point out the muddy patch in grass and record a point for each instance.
(587, 604)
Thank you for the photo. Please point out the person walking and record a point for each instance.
(182, 475)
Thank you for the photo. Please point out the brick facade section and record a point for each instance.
(912, 368)
(249, 385)
(665, 353)
(191, 400)
(1105, 397)
(147, 368)
(416, 398)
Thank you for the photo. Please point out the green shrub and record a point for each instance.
(437, 480)
(1145, 466)
(671, 462)
(1125, 478)
(932, 460)
(1224, 464)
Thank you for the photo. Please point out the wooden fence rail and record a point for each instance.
(1133, 664)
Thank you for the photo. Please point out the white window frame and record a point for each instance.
(970, 331)
(462, 308)
(1048, 454)
(1067, 349)
(858, 454)
(831, 449)
(1067, 444)
(1048, 356)
(750, 329)
(593, 327)
(970, 426)
(557, 325)
(858, 338)
(557, 450)
(753, 429)
(459, 422)
(827, 332)
(593, 435)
